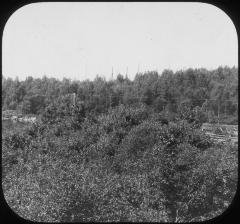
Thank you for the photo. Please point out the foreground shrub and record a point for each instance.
(188, 178)
(142, 137)
(123, 118)
(121, 166)
(17, 141)
(216, 176)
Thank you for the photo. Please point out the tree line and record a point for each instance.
(214, 91)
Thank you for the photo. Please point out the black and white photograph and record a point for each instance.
(119, 112)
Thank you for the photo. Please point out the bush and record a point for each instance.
(17, 141)
(216, 167)
(125, 165)
(122, 118)
(142, 137)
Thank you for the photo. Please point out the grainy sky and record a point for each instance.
(81, 40)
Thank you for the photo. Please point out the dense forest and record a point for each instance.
(215, 91)
(126, 151)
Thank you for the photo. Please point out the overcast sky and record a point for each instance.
(81, 40)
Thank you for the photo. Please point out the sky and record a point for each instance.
(81, 40)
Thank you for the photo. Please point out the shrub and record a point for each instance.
(142, 137)
(124, 165)
(17, 141)
(216, 175)
(89, 132)
(122, 118)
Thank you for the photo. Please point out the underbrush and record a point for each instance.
(125, 165)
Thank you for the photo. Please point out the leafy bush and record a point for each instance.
(216, 167)
(123, 118)
(141, 137)
(17, 141)
(194, 115)
(125, 165)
